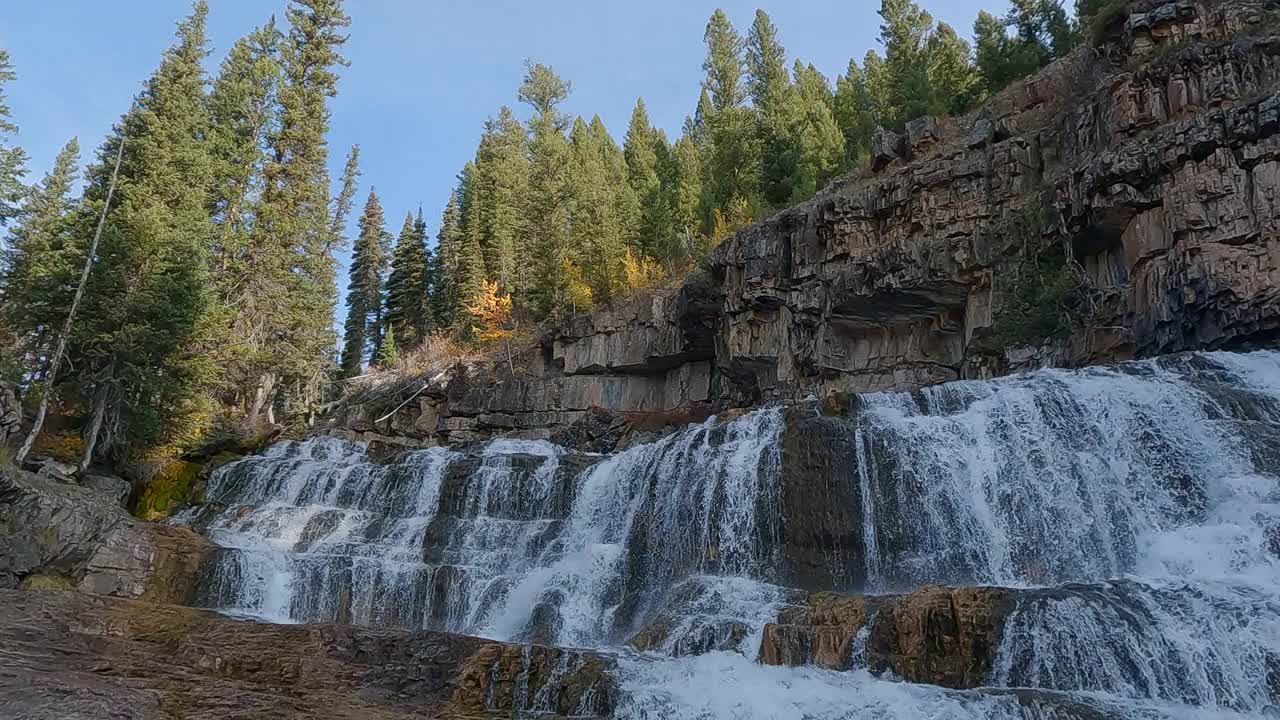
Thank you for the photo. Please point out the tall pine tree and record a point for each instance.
(407, 313)
(148, 289)
(550, 193)
(294, 221)
(39, 265)
(13, 159)
(445, 270)
(364, 290)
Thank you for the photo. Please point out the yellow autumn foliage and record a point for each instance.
(492, 312)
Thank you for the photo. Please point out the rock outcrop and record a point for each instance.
(83, 539)
(69, 655)
(938, 635)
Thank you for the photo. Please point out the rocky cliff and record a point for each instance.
(1119, 204)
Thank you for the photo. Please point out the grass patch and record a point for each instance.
(47, 581)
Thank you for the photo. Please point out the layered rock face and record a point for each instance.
(1151, 160)
(1137, 180)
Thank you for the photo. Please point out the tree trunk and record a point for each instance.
(263, 395)
(61, 349)
(100, 396)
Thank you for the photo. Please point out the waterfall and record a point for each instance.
(1134, 510)
(521, 540)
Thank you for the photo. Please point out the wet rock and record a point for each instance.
(49, 527)
(515, 680)
(71, 656)
(149, 561)
(945, 636)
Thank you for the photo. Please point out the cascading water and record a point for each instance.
(1137, 508)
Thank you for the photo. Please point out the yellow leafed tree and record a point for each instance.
(493, 319)
(642, 272)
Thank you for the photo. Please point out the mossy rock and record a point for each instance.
(47, 581)
(169, 486)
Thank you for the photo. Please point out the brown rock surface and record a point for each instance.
(938, 635)
(68, 655)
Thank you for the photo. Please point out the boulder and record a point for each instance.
(886, 146)
(922, 133)
(52, 529)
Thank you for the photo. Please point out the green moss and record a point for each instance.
(170, 485)
(47, 581)
(835, 404)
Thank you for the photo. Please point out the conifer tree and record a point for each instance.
(733, 162)
(814, 140)
(685, 196)
(499, 188)
(445, 269)
(904, 31)
(407, 311)
(855, 113)
(953, 80)
(294, 223)
(388, 353)
(599, 216)
(147, 291)
(777, 110)
(38, 265)
(13, 159)
(550, 192)
(641, 149)
(364, 290)
(241, 108)
(426, 319)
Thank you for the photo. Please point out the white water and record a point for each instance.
(1132, 496)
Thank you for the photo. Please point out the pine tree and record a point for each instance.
(855, 113)
(641, 149)
(388, 353)
(426, 320)
(550, 192)
(904, 31)
(241, 107)
(39, 264)
(499, 188)
(598, 221)
(148, 289)
(445, 269)
(733, 162)
(777, 110)
(294, 224)
(684, 191)
(407, 312)
(364, 290)
(13, 159)
(953, 80)
(813, 138)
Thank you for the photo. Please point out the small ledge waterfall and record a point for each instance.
(1134, 510)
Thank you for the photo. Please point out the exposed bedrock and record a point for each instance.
(69, 655)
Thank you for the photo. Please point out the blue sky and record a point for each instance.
(424, 74)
